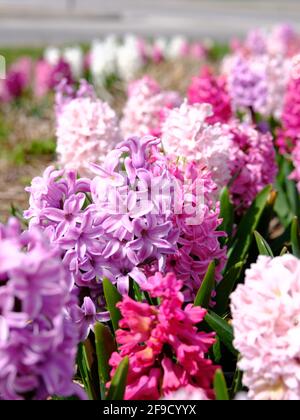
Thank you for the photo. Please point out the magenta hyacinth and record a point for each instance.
(38, 340)
(288, 136)
(165, 349)
(47, 77)
(17, 80)
(211, 89)
(295, 175)
(252, 164)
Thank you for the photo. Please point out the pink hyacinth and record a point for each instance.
(289, 134)
(87, 129)
(208, 88)
(252, 163)
(17, 80)
(198, 242)
(186, 133)
(266, 321)
(295, 175)
(165, 349)
(47, 76)
(146, 107)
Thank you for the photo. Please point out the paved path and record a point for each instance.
(37, 22)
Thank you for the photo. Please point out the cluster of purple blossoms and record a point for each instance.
(58, 207)
(247, 83)
(134, 218)
(38, 340)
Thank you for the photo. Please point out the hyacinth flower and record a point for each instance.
(38, 339)
(48, 76)
(165, 349)
(17, 80)
(288, 135)
(247, 83)
(237, 154)
(265, 314)
(186, 132)
(124, 223)
(295, 175)
(145, 110)
(86, 127)
(252, 164)
(211, 89)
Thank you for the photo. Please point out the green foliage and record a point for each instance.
(118, 382)
(248, 225)
(105, 346)
(220, 386)
(203, 296)
(262, 245)
(222, 328)
(295, 239)
(112, 297)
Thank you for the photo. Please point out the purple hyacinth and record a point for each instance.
(38, 339)
(247, 84)
(127, 225)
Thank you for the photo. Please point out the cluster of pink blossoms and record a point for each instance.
(232, 151)
(186, 133)
(295, 175)
(288, 136)
(87, 128)
(266, 321)
(17, 80)
(124, 224)
(165, 348)
(252, 163)
(144, 112)
(210, 89)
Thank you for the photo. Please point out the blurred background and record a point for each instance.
(38, 22)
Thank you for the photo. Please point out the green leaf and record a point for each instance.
(220, 386)
(295, 237)
(283, 251)
(237, 383)
(246, 229)
(227, 212)
(222, 328)
(112, 297)
(105, 346)
(217, 350)
(85, 372)
(118, 382)
(226, 286)
(262, 245)
(204, 293)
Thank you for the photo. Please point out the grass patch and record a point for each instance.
(12, 54)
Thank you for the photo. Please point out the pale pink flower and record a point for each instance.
(87, 129)
(187, 134)
(266, 321)
(146, 107)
